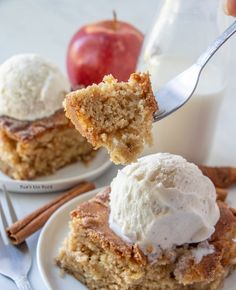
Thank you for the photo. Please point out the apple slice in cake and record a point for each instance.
(116, 115)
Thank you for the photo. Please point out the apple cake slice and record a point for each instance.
(117, 115)
(100, 259)
(33, 148)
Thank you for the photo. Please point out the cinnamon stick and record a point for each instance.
(233, 210)
(221, 193)
(25, 227)
(222, 177)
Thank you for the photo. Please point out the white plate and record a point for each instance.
(63, 178)
(55, 231)
(47, 251)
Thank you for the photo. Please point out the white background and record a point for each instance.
(45, 27)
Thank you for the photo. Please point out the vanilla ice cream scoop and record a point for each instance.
(31, 87)
(162, 201)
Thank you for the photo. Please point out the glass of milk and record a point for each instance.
(182, 31)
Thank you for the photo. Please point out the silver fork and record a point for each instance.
(15, 260)
(178, 91)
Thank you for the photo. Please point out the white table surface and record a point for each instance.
(45, 27)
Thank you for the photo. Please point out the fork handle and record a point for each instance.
(219, 41)
(23, 283)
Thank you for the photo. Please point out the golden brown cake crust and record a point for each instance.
(92, 217)
(40, 147)
(27, 130)
(117, 115)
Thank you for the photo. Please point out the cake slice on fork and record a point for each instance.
(116, 115)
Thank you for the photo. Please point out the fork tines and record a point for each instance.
(10, 207)
(3, 234)
(11, 212)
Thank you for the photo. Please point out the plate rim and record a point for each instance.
(107, 164)
(84, 196)
(57, 184)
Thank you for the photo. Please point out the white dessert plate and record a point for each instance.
(63, 178)
(55, 231)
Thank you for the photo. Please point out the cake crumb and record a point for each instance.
(116, 115)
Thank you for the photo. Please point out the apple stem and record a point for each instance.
(114, 20)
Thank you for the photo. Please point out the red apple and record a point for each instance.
(231, 7)
(105, 47)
